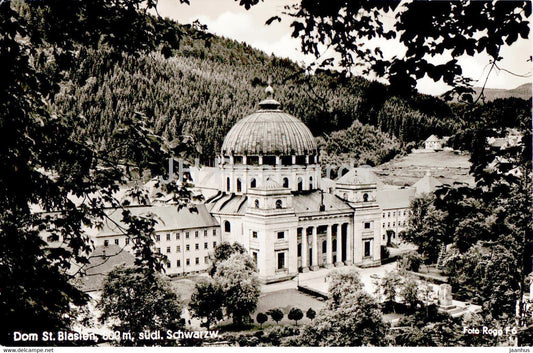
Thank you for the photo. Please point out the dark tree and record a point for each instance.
(207, 301)
(261, 319)
(134, 300)
(276, 315)
(296, 315)
(310, 314)
(47, 167)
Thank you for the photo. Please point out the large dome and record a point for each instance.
(269, 131)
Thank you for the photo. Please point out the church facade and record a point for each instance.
(269, 198)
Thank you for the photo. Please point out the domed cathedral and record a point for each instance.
(270, 200)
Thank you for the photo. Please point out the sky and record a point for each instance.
(227, 18)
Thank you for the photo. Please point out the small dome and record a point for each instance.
(269, 131)
(271, 184)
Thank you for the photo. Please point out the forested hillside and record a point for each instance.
(205, 86)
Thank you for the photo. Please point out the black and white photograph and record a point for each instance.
(265, 173)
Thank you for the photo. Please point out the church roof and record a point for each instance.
(228, 204)
(269, 131)
(309, 203)
(426, 185)
(363, 175)
(168, 218)
(271, 184)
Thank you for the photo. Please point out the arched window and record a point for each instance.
(365, 197)
(279, 204)
(227, 227)
(256, 202)
(285, 182)
(300, 184)
(310, 183)
(238, 185)
(253, 183)
(228, 184)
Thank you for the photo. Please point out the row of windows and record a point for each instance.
(365, 197)
(253, 183)
(279, 204)
(400, 213)
(188, 247)
(280, 235)
(188, 262)
(400, 224)
(187, 235)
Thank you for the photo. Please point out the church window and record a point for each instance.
(117, 241)
(365, 197)
(254, 235)
(367, 225)
(281, 260)
(256, 203)
(227, 227)
(228, 184)
(253, 183)
(324, 247)
(367, 248)
(279, 204)
(281, 235)
(285, 182)
(238, 185)
(310, 183)
(300, 184)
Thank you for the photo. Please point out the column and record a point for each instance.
(329, 253)
(314, 239)
(339, 246)
(305, 251)
(349, 245)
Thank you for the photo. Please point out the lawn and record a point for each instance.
(446, 166)
(285, 300)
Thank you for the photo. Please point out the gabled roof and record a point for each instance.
(168, 218)
(306, 203)
(359, 176)
(432, 138)
(426, 185)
